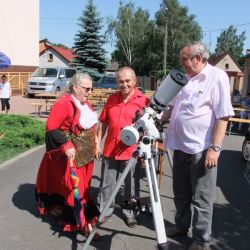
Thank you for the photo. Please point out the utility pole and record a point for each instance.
(165, 45)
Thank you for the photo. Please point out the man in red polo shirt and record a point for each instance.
(118, 112)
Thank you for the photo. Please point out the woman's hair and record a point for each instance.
(76, 80)
(198, 48)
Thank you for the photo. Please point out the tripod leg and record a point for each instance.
(120, 181)
(161, 159)
(156, 205)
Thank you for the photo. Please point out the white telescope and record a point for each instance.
(168, 89)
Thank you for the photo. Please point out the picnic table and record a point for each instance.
(236, 118)
(47, 100)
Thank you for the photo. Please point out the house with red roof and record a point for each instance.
(226, 62)
(54, 56)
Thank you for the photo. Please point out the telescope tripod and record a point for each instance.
(159, 155)
(144, 151)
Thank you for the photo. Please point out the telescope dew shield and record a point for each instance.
(129, 135)
(168, 89)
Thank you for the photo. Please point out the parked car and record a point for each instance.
(49, 80)
(246, 147)
(106, 82)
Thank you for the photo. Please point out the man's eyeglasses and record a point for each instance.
(86, 89)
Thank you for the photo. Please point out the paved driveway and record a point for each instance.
(21, 228)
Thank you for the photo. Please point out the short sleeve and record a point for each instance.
(104, 114)
(220, 96)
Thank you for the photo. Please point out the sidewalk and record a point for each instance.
(22, 228)
(21, 105)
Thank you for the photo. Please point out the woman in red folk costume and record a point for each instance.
(64, 176)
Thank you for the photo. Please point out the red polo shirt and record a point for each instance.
(117, 114)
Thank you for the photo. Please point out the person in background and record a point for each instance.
(118, 112)
(198, 120)
(245, 114)
(5, 94)
(64, 177)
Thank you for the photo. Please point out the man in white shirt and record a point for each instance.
(198, 120)
(5, 94)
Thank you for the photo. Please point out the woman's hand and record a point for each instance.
(98, 151)
(71, 153)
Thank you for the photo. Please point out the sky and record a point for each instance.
(58, 19)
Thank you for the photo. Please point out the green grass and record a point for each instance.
(18, 133)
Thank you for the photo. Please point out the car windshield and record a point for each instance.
(107, 79)
(45, 72)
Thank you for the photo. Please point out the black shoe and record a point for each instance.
(174, 231)
(131, 222)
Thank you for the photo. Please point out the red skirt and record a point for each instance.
(55, 193)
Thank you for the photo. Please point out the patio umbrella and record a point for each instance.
(4, 60)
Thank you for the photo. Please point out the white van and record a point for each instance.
(49, 80)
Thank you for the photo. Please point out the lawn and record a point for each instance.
(18, 133)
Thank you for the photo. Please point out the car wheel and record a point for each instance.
(246, 150)
(57, 90)
(30, 95)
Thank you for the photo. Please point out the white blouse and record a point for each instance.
(88, 118)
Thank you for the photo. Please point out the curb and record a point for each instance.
(32, 150)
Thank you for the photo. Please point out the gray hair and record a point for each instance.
(198, 48)
(77, 80)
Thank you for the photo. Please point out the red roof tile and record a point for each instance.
(68, 54)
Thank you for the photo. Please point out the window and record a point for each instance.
(227, 66)
(69, 73)
(50, 57)
(45, 72)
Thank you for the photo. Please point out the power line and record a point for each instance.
(243, 24)
(58, 19)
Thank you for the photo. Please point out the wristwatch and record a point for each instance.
(215, 147)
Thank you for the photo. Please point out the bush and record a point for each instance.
(19, 133)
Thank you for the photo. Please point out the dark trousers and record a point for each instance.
(5, 103)
(194, 185)
(111, 169)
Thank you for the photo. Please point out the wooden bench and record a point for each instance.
(38, 107)
(235, 119)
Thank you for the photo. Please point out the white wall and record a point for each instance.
(19, 26)
(57, 61)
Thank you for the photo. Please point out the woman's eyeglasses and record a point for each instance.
(86, 89)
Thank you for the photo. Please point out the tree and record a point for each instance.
(132, 30)
(230, 42)
(90, 56)
(181, 28)
(140, 41)
(60, 45)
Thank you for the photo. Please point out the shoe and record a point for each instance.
(106, 218)
(97, 236)
(196, 246)
(131, 222)
(174, 231)
(87, 230)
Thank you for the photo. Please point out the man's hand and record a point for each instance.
(70, 153)
(211, 159)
